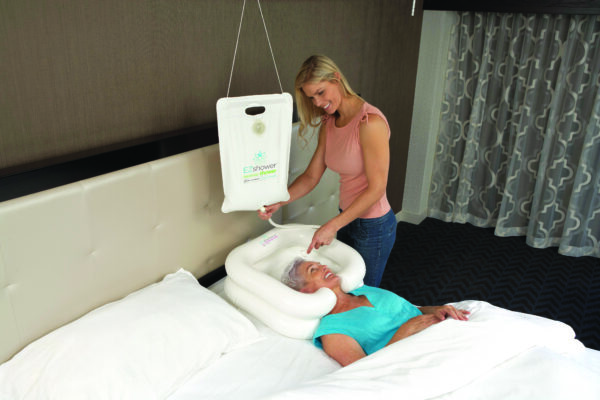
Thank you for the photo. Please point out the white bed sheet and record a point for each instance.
(538, 374)
(494, 368)
(268, 366)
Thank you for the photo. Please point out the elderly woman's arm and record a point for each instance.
(345, 350)
(342, 348)
(431, 315)
(414, 325)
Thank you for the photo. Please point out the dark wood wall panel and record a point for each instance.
(80, 78)
(394, 93)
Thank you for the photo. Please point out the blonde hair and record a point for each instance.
(315, 69)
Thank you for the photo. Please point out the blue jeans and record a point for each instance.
(373, 238)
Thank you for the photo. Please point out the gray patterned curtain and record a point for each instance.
(519, 140)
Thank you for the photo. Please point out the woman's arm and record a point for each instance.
(345, 350)
(342, 348)
(374, 141)
(431, 315)
(414, 325)
(307, 181)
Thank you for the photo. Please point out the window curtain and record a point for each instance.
(519, 140)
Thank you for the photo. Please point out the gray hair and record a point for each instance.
(291, 277)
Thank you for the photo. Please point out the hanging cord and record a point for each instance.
(269, 41)
(263, 209)
(236, 46)
(278, 80)
(238, 40)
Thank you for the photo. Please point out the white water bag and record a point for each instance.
(254, 144)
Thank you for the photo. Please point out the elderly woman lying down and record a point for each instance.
(364, 320)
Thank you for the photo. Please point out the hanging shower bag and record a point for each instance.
(254, 144)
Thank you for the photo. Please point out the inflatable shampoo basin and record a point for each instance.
(254, 271)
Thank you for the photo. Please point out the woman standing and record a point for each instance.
(354, 142)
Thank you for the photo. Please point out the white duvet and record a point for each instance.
(496, 355)
(479, 358)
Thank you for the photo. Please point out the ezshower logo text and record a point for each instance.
(261, 170)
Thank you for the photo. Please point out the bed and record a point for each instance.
(100, 299)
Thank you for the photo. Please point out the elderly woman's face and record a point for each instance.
(317, 276)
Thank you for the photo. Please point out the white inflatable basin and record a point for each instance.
(254, 271)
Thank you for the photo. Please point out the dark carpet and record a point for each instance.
(438, 262)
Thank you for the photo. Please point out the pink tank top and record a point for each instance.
(343, 154)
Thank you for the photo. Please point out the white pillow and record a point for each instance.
(143, 346)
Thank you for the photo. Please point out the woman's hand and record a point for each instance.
(269, 211)
(322, 237)
(442, 312)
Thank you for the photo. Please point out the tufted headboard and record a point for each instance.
(68, 250)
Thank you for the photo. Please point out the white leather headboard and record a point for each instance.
(68, 250)
(323, 202)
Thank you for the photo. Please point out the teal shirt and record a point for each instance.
(371, 327)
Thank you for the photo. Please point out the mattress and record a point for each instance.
(278, 367)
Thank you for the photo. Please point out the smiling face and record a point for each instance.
(325, 95)
(316, 276)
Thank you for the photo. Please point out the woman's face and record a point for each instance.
(324, 94)
(316, 276)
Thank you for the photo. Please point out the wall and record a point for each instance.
(433, 52)
(78, 75)
(82, 77)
